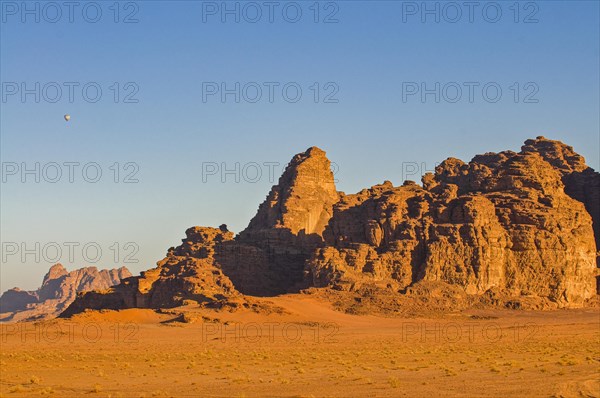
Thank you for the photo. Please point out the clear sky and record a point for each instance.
(370, 60)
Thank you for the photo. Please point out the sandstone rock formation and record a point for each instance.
(581, 182)
(504, 229)
(59, 289)
(265, 259)
(268, 257)
(187, 274)
(502, 221)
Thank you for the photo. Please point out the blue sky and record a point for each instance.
(177, 49)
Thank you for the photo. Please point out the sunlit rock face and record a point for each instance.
(505, 224)
(502, 221)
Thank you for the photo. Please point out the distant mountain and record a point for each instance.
(59, 289)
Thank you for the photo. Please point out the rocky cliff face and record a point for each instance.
(581, 182)
(268, 257)
(59, 289)
(302, 201)
(507, 227)
(503, 221)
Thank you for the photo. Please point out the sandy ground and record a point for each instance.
(309, 351)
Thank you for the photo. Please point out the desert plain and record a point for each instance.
(303, 348)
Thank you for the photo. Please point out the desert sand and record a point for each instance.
(303, 348)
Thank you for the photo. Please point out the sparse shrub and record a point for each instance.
(17, 388)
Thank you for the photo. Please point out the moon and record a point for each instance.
(67, 117)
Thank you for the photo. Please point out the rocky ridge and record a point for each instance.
(503, 221)
(506, 229)
(186, 275)
(58, 290)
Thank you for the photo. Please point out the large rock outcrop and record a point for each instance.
(268, 257)
(503, 221)
(506, 227)
(59, 289)
(265, 259)
(581, 182)
(187, 274)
